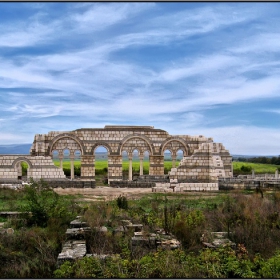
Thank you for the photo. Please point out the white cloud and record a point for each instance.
(101, 16)
(242, 140)
(200, 66)
(263, 42)
(15, 138)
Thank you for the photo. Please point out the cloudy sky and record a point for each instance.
(209, 69)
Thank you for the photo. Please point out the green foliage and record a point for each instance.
(44, 204)
(264, 160)
(24, 167)
(271, 267)
(248, 167)
(223, 262)
(251, 220)
(88, 267)
(28, 253)
(11, 200)
(122, 202)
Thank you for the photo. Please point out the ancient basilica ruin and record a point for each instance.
(203, 162)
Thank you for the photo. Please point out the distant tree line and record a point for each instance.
(266, 160)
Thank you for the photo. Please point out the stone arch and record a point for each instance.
(57, 154)
(129, 137)
(184, 146)
(104, 144)
(66, 135)
(20, 159)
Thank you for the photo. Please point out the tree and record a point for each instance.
(44, 203)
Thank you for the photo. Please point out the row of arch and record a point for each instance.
(122, 145)
(136, 158)
(71, 147)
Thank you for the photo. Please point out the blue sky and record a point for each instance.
(209, 69)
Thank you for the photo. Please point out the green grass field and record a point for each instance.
(101, 164)
(258, 167)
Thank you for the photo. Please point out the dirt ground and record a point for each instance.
(104, 193)
(109, 193)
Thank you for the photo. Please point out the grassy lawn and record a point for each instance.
(258, 167)
(101, 164)
(11, 200)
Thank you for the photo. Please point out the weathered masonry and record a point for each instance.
(203, 160)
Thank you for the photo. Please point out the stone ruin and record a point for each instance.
(204, 161)
(75, 245)
(217, 239)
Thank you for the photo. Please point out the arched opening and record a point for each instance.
(66, 154)
(66, 162)
(57, 160)
(167, 161)
(55, 155)
(125, 165)
(77, 163)
(22, 168)
(146, 163)
(101, 165)
(179, 156)
(135, 164)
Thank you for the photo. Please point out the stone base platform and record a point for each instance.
(184, 187)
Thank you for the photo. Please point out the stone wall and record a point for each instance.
(209, 162)
(185, 187)
(203, 161)
(38, 167)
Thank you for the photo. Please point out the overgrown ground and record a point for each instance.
(253, 222)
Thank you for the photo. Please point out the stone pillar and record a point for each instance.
(276, 174)
(156, 165)
(19, 169)
(61, 160)
(88, 167)
(141, 157)
(174, 161)
(130, 168)
(114, 168)
(72, 166)
(253, 174)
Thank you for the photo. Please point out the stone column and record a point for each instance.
(72, 166)
(61, 160)
(174, 161)
(19, 169)
(88, 167)
(141, 157)
(130, 168)
(114, 168)
(156, 165)
(276, 174)
(253, 174)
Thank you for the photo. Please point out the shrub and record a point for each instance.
(44, 204)
(122, 202)
(245, 168)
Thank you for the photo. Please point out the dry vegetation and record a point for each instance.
(253, 222)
